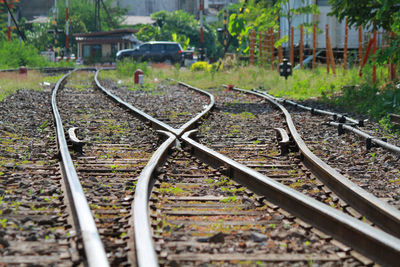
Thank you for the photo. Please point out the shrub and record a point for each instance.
(15, 53)
(204, 66)
(199, 66)
(127, 67)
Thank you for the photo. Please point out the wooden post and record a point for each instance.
(364, 61)
(301, 46)
(373, 52)
(360, 48)
(331, 57)
(261, 46)
(252, 41)
(327, 47)
(346, 37)
(280, 54)
(271, 32)
(314, 46)
(392, 66)
(265, 46)
(292, 46)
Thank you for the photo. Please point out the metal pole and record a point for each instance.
(346, 37)
(201, 23)
(9, 26)
(67, 27)
(55, 23)
(301, 46)
(314, 46)
(201, 30)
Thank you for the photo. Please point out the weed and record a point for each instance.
(123, 234)
(372, 156)
(3, 223)
(231, 199)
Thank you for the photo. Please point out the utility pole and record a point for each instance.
(9, 23)
(9, 4)
(67, 26)
(55, 23)
(202, 52)
(97, 15)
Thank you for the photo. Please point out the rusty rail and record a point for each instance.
(335, 116)
(377, 211)
(380, 246)
(94, 250)
(145, 252)
(369, 139)
(157, 124)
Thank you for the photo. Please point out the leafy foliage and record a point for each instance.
(39, 37)
(15, 53)
(262, 15)
(371, 100)
(82, 20)
(367, 12)
(183, 27)
(127, 67)
(375, 14)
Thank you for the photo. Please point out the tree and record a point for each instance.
(183, 27)
(39, 37)
(375, 14)
(261, 15)
(85, 11)
(81, 20)
(288, 10)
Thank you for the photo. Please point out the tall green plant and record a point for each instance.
(17, 53)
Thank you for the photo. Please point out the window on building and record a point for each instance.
(93, 51)
(114, 49)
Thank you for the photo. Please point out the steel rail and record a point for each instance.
(335, 116)
(378, 245)
(145, 252)
(94, 250)
(48, 69)
(377, 211)
(157, 124)
(369, 138)
(190, 124)
(342, 119)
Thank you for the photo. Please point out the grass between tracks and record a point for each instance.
(346, 89)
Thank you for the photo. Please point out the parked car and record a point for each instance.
(154, 51)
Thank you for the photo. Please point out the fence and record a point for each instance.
(263, 51)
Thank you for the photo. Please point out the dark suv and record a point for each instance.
(154, 51)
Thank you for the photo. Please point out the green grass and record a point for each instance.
(11, 82)
(347, 89)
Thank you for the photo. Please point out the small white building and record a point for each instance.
(102, 46)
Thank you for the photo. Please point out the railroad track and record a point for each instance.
(204, 207)
(150, 231)
(35, 214)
